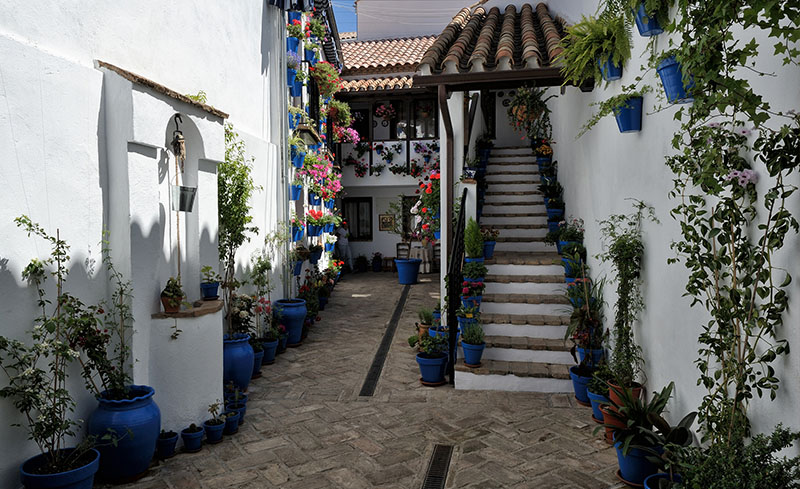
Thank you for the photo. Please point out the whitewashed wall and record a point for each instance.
(382, 242)
(604, 168)
(55, 151)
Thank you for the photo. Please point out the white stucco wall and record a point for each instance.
(604, 168)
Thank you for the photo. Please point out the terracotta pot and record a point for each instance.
(611, 423)
(169, 309)
(614, 398)
(422, 330)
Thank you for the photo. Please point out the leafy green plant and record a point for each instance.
(327, 77)
(339, 112)
(528, 113)
(432, 346)
(425, 315)
(174, 292)
(591, 40)
(474, 270)
(600, 378)
(473, 241)
(473, 335)
(612, 105)
(659, 9)
(639, 416)
(209, 275)
(622, 239)
(585, 328)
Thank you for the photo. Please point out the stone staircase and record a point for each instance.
(524, 311)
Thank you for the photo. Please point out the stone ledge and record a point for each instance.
(524, 279)
(520, 369)
(526, 343)
(526, 298)
(199, 308)
(525, 319)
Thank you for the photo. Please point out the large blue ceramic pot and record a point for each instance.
(579, 384)
(432, 369)
(136, 422)
(407, 270)
(80, 478)
(291, 313)
(237, 360)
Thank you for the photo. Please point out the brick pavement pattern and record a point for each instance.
(306, 427)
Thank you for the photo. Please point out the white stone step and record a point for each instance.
(470, 381)
(524, 287)
(516, 150)
(524, 246)
(522, 199)
(500, 166)
(513, 177)
(491, 221)
(525, 330)
(532, 208)
(523, 233)
(525, 309)
(537, 356)
(514, 187)
(525, 269)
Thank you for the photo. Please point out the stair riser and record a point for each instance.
(512, 383)
(491, 221)
(525, 247)
(522, 151)
(534, 356)
(522, 233)
(525, 309)
(501, 166)
(500, 178)
(518, 209)
(525, 269)
(525, 186)
(525, 331)
(525, 288)
(522, 199)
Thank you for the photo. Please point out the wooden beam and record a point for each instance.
(542, 77)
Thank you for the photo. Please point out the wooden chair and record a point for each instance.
(403, 251)
(437, 257)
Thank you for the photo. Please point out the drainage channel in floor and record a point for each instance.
(374, 374)
(436, 475)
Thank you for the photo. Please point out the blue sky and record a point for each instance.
(345, 14)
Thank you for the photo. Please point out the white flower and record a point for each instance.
(243, 314)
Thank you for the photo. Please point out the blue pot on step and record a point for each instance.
(295, 191)
(647, 25)
(579, 384)
(471, 301)
(596, 400)
(555, 214)
(291, 313)
(407, 270)
(552, 226)
(488, 249)
(472, 354)
(629, 115)
(595, 355)
(608, 69)
(671, 75)
(237, 360)
(544, 161)
(473, 260)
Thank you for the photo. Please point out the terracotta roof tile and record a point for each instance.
(380, 83)
(386, 54)
(481, 41)
(348, 36)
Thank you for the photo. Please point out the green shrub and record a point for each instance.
(473, 241)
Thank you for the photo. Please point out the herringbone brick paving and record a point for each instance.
(307, 428)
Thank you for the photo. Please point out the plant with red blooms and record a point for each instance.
(472, 289)
(386, 112)
(314, 217)
(361, 169)
(295, 29)
(327, 77)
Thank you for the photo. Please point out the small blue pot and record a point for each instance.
(298, 157)
(483, 154)
(473, 279)
(192, 442)
(240, 408)
(648, 26)
(295, 191)
(671, 75)
(270, 349)
(472, 354)
(80, 478)
(555, 214)
(231, 422)
(311, 56)
(596, 355)
(165, 447)
(296, 89)
(465, 322)
(564, 244)
(329, 247)
(213, 432)
(314, 199)
(329, 228)
(546, 201)
(294, 120)
(330, 204)
(209, 290)
(569, 280)
(292, 43)
(596, 400)
(314, 230)
(472, 301)
(297, 269)
(609, 70)
(295, 15)
(629, 116)
(432, 369)
(407, 270)
(488, 249)
(437, 234)
(315, 256)
(634, 467)
(258, 356)
(552, 226)
(544, 161)
(291, 74)
(323, 301)
(473, 260)
(579, 384)
(297, 233)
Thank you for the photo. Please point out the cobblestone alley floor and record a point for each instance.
(306, 426)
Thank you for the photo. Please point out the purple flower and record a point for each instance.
(743, 178)
(713, 125)
(743, 131)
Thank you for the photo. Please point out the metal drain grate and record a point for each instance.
(374, 374)
(436, 476)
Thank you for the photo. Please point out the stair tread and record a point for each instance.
(526, 343)
(516, 203)
(524, 258)
(520, 369)
(525, 298)
(519, 226)
(511, 172)
(514, 214)
(516, 192)
(530, 279)
(519, 239)
(524, 319)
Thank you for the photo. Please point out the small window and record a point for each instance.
(357, 211)
(360, 114)
(389, 120)
(425, 123)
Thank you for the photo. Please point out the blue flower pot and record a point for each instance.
(165, 447)
(192, 442)
(634, 467)
(437, 234)
(296, 15)
(472, 301)
(231, 422)
(672, 79)
(595, 355)
(291, 73)
(571, 268)
(407, 270)
(296, 88)
(294, 120)
(136, 423)
(230, 398)
(297, 268)
(311, 56)
(483, 154)
(258, 356)
(473, 260)
(555, 214)
(323, 301)
(298, 158)
(647, 25)
(314, 230)
(651, 482)
(629, 116)
(609, 70)
(297, 233)
(80, 478)
(546, 201)
(432, 369)
(473, 279)
(552, 226)
(213, 432)
(330, 204)
(291, 313)
(579, 384)
(314, 199)
(295, 191)
(209, 290)
(488, 249)
(270, 350)
(544, 161)
(472, 354)
(329, 228)
(315, 256)
(465, 322)
(237, 360)
(569, 280)
(292, 43)
(329, 247)
(240, 408)
(596, 400)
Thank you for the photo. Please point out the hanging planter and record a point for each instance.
(297, 233)
(295, 15)
(297, 268)
(314, 230)
(315, 256)
(629, 116)
(182, 198)
(647, 25)
(296, 88)
(292, 43)
(294, 119)
(329, 247)
(295, 191)
(298, 157)
(671, 75)
(608, 69)
(314, 199)
(330, 204)
(291, 74)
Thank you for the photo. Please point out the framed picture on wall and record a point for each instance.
(386, 222)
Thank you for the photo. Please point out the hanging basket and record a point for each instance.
(182, 198)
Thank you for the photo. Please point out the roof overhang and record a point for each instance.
(490, 80)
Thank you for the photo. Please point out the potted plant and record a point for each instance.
(489, 235)
(236, 401)
(294, 32)
(597, 392)
(595, 47)
(165, 445)
(473, 242)
(484, 145)
(314, 254)
(258, 357)
(270, 343)
(650, 15)
(472, 341)
(677, 85)
(172, 296)
(543, 151)
(298, 227)
(297, 145)
(213, 427)
(432, 360)
(327, 78)
(339, 113)
(292, 64)
(296, 116)
(231, 422)
(192, 438)
(474, 272)
(386, 112)
(472, 293)
(330, 244)
(573, 257)
(314, 220)
(209, 286)
(311, 52)
(528, 113)
(238, 354)
(291, 313)
(377, 262)
(425, 322)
